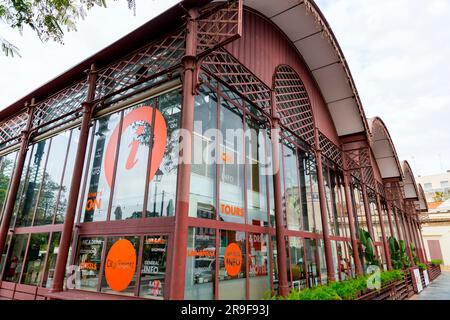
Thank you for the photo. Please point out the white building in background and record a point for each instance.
(436, 223)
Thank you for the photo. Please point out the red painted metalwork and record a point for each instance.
(283, 288)
(323, 211)
(15, 180)
(351, 219)
(383, 234)
(66, 236)
(184, 168)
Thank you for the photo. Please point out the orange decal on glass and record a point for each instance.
(233, 259)
(120, 265)
(142, 114)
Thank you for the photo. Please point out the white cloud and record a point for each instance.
(398, 54)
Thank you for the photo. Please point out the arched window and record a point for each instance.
(293, 105)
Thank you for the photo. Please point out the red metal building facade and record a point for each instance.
(91, 173)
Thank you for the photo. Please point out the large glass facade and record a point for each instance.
(7, 163)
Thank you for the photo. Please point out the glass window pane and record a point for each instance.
(7, 163)
(232, 164)
(23, 181)
(51, 260)
(48, 197)
(89, 261)
(291, 185)
(131, 170)
(5, 251)
(297, 263)
(33, 184)
(35, 261)
(259, 265)
(153, 269)
(162, 190)
(256, 174)
(96, 198)
(202, 202)
(13, 266)
(309, 192)
(122, 266)
(232, 265)
(200, 264)
(68, 172)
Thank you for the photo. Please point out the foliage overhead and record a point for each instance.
(48, 18)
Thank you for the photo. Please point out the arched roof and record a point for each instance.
(409, 182)
(383, 150)
(306, 27)
(422, 199)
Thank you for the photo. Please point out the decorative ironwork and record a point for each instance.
(145, 65)
(358, 162)
(330, 150)
(11, 129)
(222, 65)
(293, 105)
(59, 107)
(217, 25)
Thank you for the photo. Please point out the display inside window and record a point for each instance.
(153, 268)
(200, 264)
(120, 266)
(259, 265)
(89, 262)
(232, 265)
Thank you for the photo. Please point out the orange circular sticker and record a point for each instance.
(233, 259)
(120, 265)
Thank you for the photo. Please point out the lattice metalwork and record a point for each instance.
(218, 24)
(143, 66)
(381, 190)
(61, 107)
(228, 69)
(293, 105)
(11, 129)
(358, 162)
(330, 150)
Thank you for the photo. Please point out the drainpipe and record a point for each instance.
(383, 234)
(283, 287)
(323, 210)
(15, 181)
(351, 221)
(66, 236)
(178, 266)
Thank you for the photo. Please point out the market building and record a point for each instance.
(91, 177)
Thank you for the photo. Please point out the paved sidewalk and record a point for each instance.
(439, 289)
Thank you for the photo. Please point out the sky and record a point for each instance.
(398, 52)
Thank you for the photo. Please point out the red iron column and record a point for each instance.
(323, 210)
(351, 222)
(283, 287)
(177, 277)
(66, 236)
(383, 234)
(15, 181)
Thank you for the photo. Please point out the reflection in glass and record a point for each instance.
(35, 261)
(259, 265)
(13, 266)
(33, 184)
(7, 163)
(153, 268)
(202, 203)
(232, 266)
(129, 291)
(298, 265)
(89, 261)
(200, 264)
(97, 192)
(51, 260)
(162, 190)
(291, 185)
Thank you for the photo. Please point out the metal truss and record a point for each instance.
(330, 150)
(217, 25)
(359, 164)
(222, 65)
